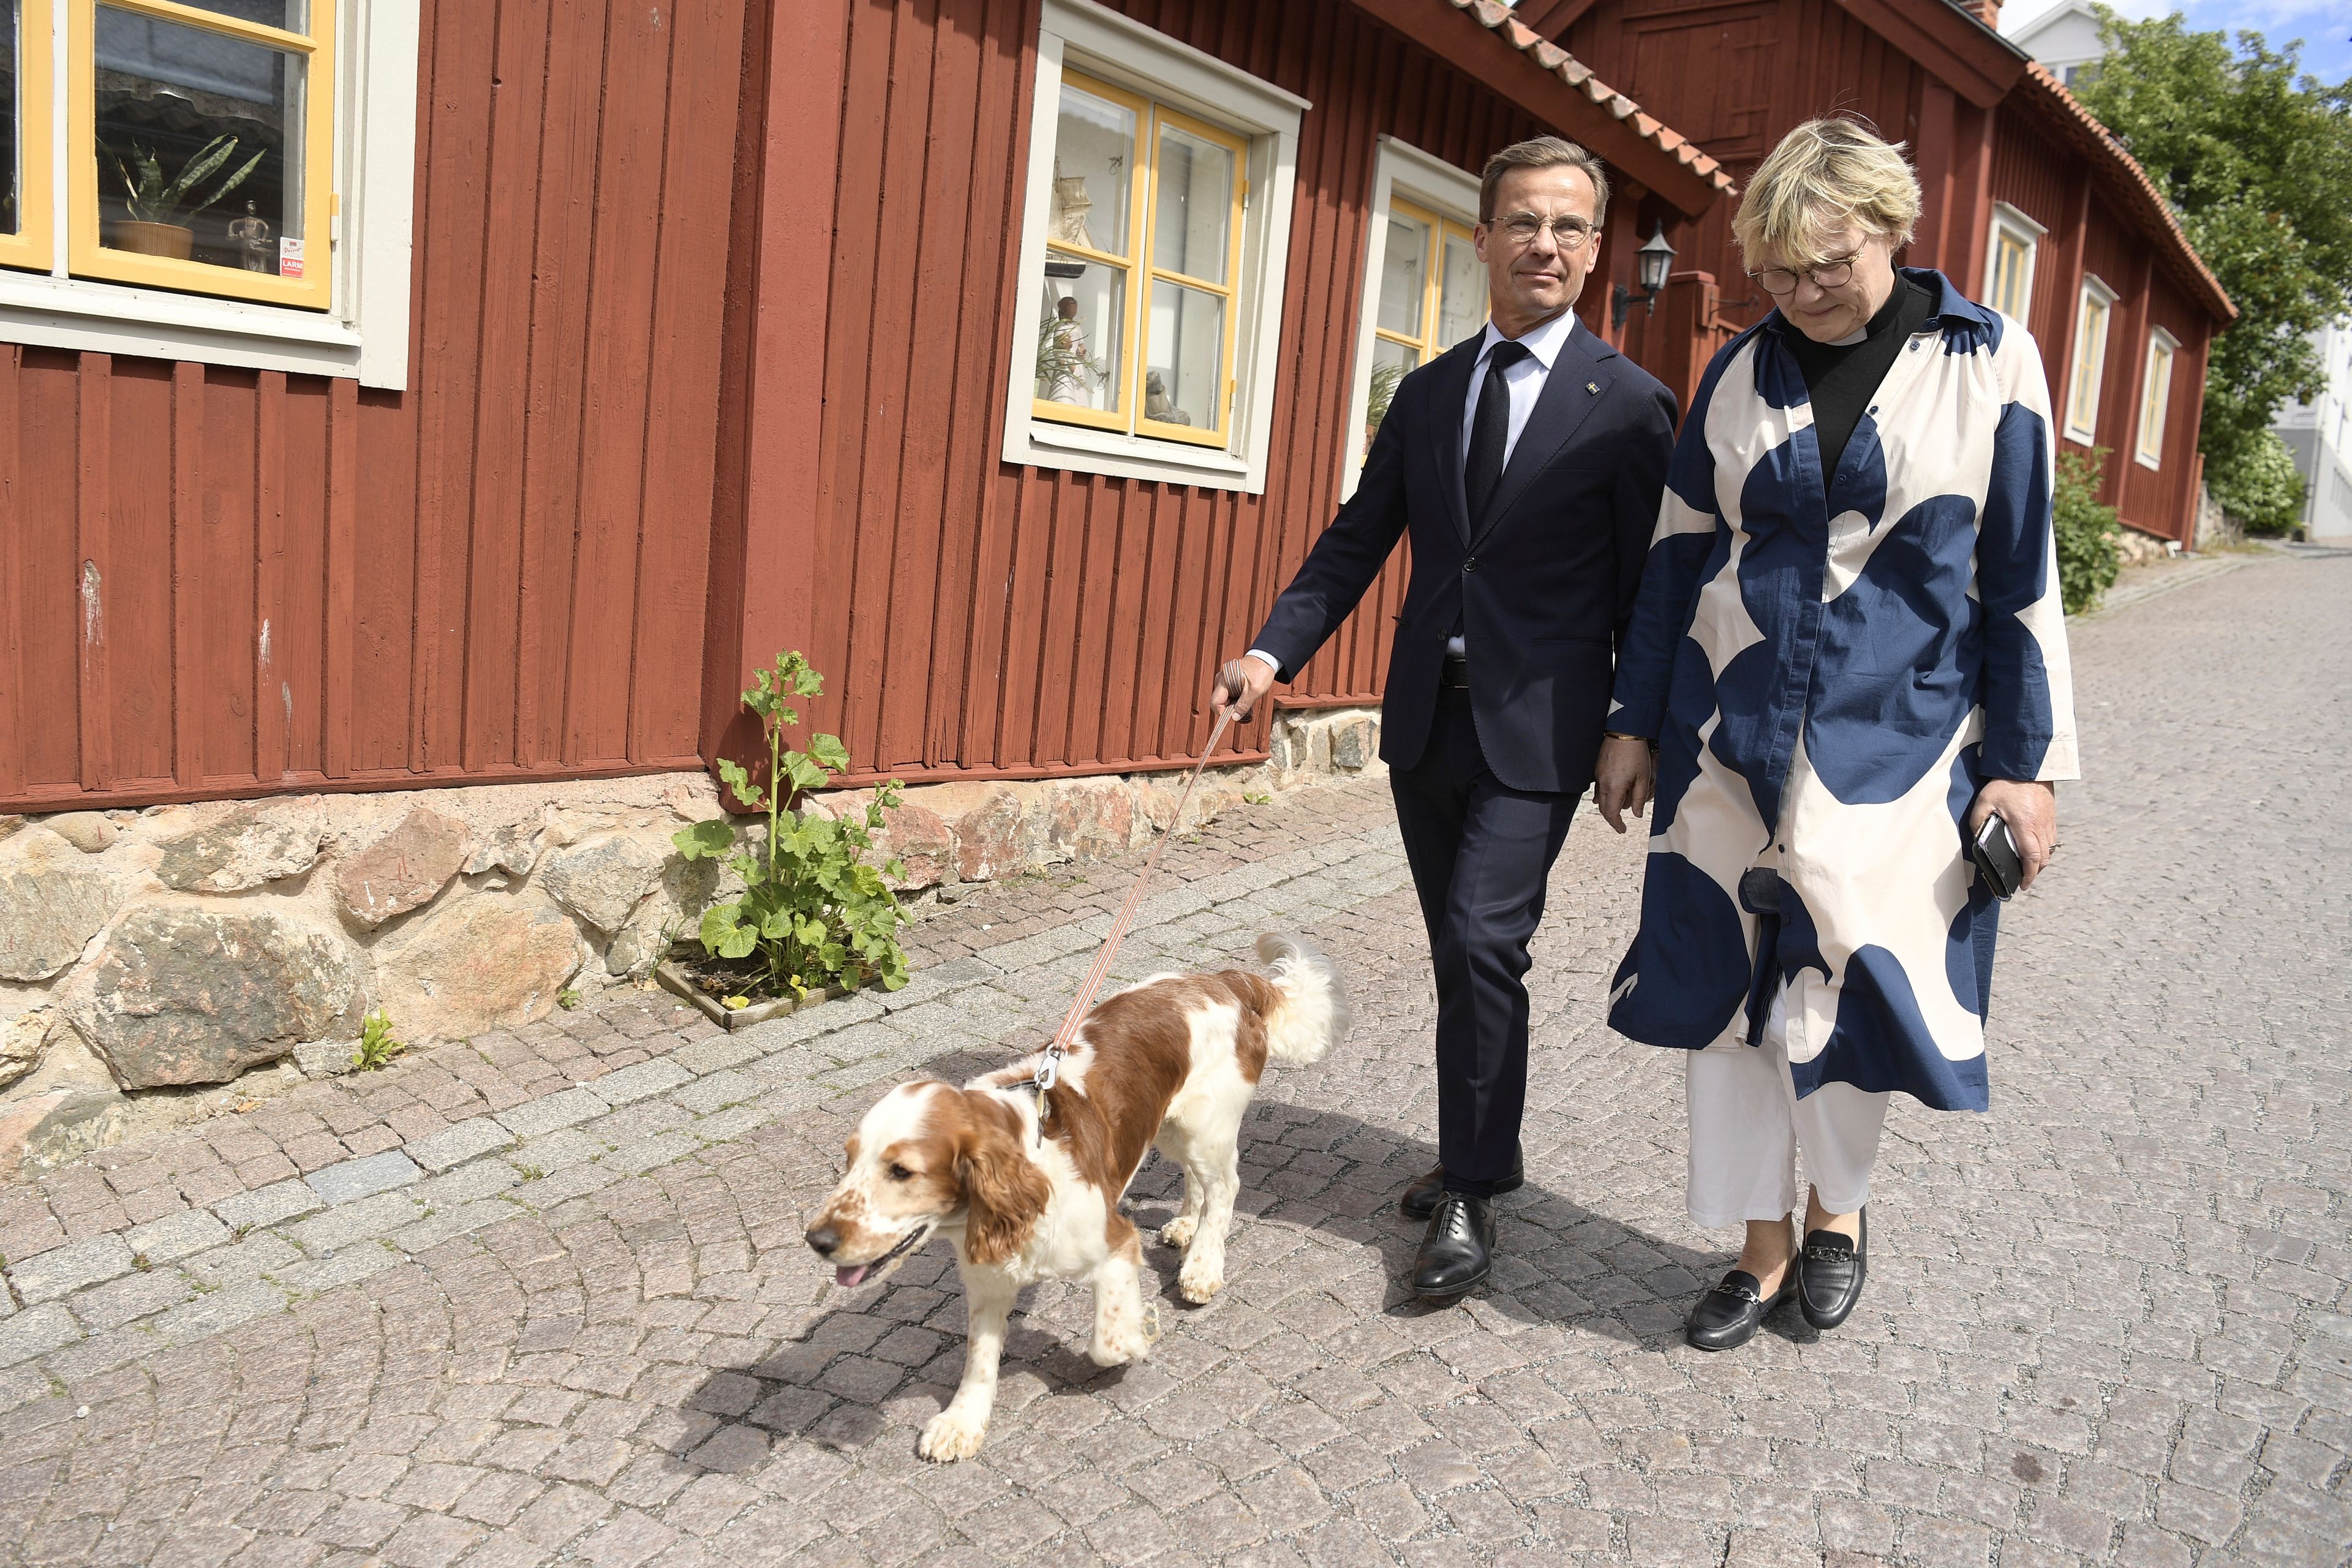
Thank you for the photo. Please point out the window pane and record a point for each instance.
(2155, 404)
(2091, 343)
(1391, 361)
(1404, 276)
(2009, 276)
(1462, 299)
(12, 181)
(1080, 324)
(1185, 376)
(1192, 217)
(1094, 168)
(199, 146)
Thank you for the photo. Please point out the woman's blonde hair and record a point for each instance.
(1823, 175)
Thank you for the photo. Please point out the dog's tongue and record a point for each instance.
(848, 1276)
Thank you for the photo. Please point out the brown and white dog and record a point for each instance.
(1171, 1063)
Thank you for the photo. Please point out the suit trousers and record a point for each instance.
(1481, 854)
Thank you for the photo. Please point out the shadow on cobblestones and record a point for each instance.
(872, 1367)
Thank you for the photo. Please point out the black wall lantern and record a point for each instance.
(1651, 263)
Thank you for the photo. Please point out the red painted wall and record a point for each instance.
(228, 582)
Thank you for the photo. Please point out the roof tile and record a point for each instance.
(1497, 18)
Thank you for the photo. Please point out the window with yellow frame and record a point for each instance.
(1143, 255)
(24, 117)
(1432, 295)
(199, 142)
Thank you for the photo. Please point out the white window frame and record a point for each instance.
(2160, 344)
(1103, 44)
(2094, 365)
(1399, 170)
(2013, 223)
(362, 334)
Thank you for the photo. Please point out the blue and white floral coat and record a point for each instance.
(1832, 665)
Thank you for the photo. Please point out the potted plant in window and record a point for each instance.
(155, 205)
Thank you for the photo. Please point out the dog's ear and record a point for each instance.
(1005, 1192)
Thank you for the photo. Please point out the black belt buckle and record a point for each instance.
(1454, 672)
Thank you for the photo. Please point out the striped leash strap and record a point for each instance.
(1049, 1067)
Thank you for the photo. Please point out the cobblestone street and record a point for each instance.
(542, 1297)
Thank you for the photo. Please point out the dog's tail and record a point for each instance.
(1312, 1013)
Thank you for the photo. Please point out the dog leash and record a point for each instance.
(1049, 1065)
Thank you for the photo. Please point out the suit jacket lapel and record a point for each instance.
(1449, 387)
(1569, 398)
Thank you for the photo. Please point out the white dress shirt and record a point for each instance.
(1526, 381)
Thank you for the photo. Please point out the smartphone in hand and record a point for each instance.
(1995, 855)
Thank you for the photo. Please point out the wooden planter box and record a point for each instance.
(677, 982)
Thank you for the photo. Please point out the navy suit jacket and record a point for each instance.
(1543, 586)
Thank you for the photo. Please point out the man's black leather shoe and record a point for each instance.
(1830, 1273)
(1457, 1252)
(1420, 1200)
(1730, 1312)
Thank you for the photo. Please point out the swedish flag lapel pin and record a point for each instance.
(1593, 387)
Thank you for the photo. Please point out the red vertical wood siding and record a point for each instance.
(979, 619)
(223, 582)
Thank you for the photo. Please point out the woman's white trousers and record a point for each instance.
(1747, 1125)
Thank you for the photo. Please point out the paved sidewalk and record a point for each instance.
(543, 1298)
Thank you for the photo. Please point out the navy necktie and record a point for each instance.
(1490, 431)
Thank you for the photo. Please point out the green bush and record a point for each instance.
(813, 913)
(2087, 551)
(2263, 490)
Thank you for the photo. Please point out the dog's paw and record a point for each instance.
(1177, 1232)
(1121, 1345)
(950, 1436)
(1199, 1284)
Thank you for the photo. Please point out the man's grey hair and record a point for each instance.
(1543, 152)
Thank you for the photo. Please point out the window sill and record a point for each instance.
(83, 314)
(2151, 464)
(1074, 447)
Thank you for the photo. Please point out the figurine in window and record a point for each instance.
(1156, 404)
(250, 235)
(1064, 371)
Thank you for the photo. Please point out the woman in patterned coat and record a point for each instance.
(1848, 649)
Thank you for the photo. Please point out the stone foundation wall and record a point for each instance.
(148, 953)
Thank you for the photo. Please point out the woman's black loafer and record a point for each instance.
(1732, 1311)
(1830, 1274)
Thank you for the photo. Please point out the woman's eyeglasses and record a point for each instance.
(1829, 274)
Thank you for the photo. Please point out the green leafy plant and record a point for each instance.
(2087, 549)
(567, 998)
(2262, 491)
(377, 1048)
(151, 198)
(814, 913)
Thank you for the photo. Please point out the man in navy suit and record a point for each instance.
(1527, 465)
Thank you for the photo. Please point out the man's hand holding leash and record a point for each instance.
(1239, 685)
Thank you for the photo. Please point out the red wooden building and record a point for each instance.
(559, 361)
(2031, 206)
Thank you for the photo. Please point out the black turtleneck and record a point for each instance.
(1842, 378)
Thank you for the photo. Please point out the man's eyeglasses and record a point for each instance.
(1568, 233)
(1829, 274)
